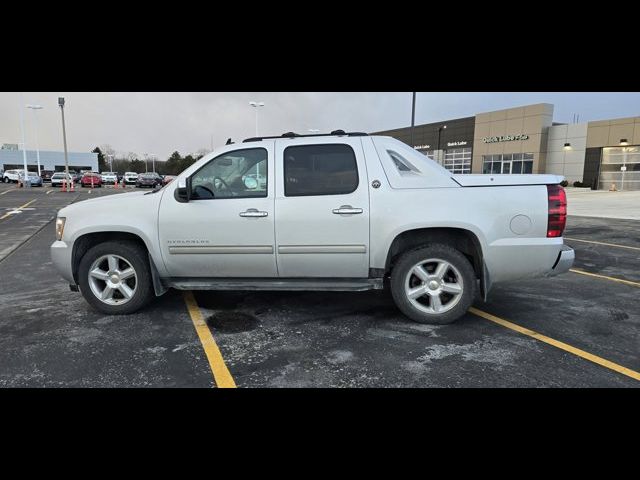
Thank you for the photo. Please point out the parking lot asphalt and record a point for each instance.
(49, 336)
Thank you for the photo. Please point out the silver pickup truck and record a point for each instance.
(344, 211)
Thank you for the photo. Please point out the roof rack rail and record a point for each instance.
(297, 135)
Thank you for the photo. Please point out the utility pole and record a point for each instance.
(64, 139)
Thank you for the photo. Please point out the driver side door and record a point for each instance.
(226, 229)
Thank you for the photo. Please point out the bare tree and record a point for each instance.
(107, 150)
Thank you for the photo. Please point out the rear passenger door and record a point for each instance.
(321, 208)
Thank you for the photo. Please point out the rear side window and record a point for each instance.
(319, 170)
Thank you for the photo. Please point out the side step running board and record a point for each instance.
(314, 284)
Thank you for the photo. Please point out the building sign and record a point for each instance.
(422, 147)
(456, 144)
(505, 138)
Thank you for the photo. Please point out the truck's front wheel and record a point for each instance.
(115, 277)
(433, 284)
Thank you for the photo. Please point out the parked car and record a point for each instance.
(109, 177)
(57, 179)
(34, 179)
(76, 176)
(11, 176)
(168, 179)
(130, 178)
(46, 175)
(91, 179)
(345, 212)
(148, 180)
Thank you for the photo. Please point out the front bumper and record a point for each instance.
(564, 261)
(61, 258)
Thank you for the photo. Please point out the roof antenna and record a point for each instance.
(229, 142)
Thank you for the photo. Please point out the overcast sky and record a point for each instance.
(160, 123)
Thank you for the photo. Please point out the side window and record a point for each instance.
(401, 163)
(319, 170)
(237, 174)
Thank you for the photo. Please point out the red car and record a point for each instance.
(91, 179)
(168, 179)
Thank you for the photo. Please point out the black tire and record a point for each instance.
(137, 257)
(412, 257)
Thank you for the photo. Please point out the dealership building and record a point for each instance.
(12, 158)
(525, 140)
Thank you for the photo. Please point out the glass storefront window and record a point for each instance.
(515, 163)
(517, 167)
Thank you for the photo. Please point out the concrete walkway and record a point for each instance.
(584, 202)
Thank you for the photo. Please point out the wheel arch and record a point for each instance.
(84, 242)
(461, 239)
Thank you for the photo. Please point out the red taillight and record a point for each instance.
(557, 210)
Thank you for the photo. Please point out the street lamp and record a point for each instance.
(153, 160)
(439, 132)
(24, 144)
(110, 157)
(413, 117)
(256, 105)
(64, 139)
(35, 121)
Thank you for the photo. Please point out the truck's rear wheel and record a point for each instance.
(114, 277)
(433, 284)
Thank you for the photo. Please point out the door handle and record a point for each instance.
(253, 213)
(346, 210)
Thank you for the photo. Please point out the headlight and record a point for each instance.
(60, 227)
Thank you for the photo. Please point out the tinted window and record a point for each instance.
(319, 170)
(237, 174)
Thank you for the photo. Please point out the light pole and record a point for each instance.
(438, 146)
(413, 117)
(35, 122)
(153, 160)
(110, 157)
(146, 157)
(256, 105)
(64, 139)
(24, 144)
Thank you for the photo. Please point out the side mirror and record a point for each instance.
(183, 192)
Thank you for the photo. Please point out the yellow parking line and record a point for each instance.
(221, 373)
(561, 345)
(602, 243)
(613, 279)
(19, 208)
